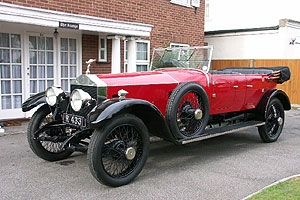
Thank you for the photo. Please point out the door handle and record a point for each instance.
(236, 86)
(249, 86)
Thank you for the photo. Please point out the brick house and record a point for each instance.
(47, 42)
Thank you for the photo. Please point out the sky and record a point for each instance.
(235, 14)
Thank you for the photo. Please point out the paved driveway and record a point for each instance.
(227, 167)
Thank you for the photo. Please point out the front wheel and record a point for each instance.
(48, 150)
(118, 151)
(274, 122)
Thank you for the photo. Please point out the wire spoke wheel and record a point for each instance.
(122, 150)
(187, 110)
(118, 151)
(43, 145)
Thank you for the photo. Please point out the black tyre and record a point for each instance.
(48, 150)
(274, 122)
(118, 151)
(187, 110)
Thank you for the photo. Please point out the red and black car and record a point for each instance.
(182, 100)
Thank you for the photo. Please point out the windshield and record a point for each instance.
(182, 57)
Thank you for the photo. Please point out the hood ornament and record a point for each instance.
(89, 62)
(122, 93)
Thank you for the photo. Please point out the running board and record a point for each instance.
(214, 132)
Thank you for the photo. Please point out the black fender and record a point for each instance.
(266, 98)
(34, 101)
(144, 110)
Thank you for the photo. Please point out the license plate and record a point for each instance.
(74, 119)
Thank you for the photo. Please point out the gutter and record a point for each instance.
(270, 28)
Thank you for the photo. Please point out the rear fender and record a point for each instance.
(264, 102)
(144, 110)
(34, 101)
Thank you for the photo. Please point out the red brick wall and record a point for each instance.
(171, 22)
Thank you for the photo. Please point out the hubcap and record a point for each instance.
(130, 153)
(198, 114)
(280, 121)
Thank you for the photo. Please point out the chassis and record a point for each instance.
(182, 100)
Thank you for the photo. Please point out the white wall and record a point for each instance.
(236, 14)
(256, 45)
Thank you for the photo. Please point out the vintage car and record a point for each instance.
(181, 100)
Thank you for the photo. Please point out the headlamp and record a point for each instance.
(51, 95)
(78, 98)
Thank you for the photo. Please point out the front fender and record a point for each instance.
(34, 101)
(145, 110)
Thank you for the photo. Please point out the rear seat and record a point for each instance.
(243, 71)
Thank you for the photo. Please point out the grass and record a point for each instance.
(287, 190)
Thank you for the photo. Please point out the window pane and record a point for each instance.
(49, 43)
(32, 42)
(50, 72)
(49, 57)
(72, 45)
(18, 101)
(41, 59)
(64, 44)
(41, 71)
(73, 71)
(33, 57)
(5, 71)
(16, 56)
(41, 85)
(73, 58)
(33, 86)
(16, 71)
(64, 72)
(41, 41)
(15, 41)
(64, 85)
(4, 56)
(102, 54)
(64, 58)
(50, 83)
(102, 43)
(5, 87)
(33, 72)
(140, 68)
(6, 102)
(4, 40)
(17, 86)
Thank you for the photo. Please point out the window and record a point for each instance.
(182, 2)
(207, 14)
(173, 45)
(10, 71)
(102, 50)
(142, 55)
(68, 62)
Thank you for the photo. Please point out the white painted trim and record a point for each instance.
(42, 17)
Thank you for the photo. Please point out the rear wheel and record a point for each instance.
(274, 122)
(48, 150)
(118, 151)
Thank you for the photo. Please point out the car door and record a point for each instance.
(228, 92)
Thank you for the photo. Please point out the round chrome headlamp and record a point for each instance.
(51, 95)
(78, 98)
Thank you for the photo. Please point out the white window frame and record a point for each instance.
(102, 49)
(186, 3)
(138, 62)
